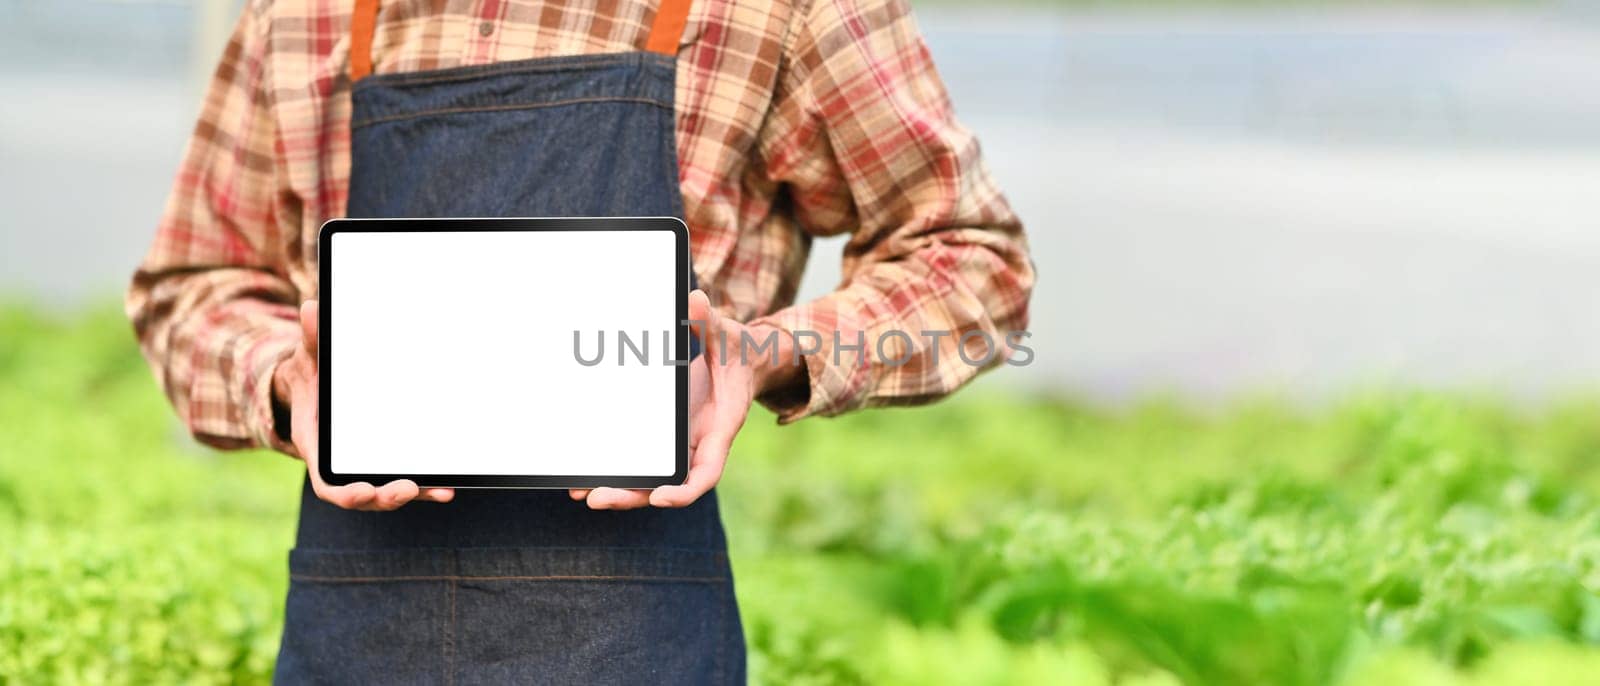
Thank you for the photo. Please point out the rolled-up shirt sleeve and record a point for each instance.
(212, 303)
(936, 273)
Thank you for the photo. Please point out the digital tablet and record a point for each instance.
(504, 353)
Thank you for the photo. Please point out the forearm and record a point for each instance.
(213, 339)
(905, 330)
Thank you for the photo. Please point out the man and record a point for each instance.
(763, 124)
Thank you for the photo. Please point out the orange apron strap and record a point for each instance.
(363, 22)
(671, 17)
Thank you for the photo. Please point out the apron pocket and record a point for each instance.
(499, 615)
(362, 628)
(613, 630)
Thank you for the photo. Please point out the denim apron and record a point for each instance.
(513, 586)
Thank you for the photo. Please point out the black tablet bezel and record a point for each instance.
(326, 338)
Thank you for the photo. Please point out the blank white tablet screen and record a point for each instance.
(453, 353)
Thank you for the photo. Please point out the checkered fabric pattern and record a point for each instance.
(794, 120)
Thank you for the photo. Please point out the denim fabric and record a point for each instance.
(513, 586)
(588, 614)
(586, 136)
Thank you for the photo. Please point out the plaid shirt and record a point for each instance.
(793, 121)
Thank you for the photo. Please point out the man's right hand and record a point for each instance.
(294, 384)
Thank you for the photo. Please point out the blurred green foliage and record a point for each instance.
(1392, 538)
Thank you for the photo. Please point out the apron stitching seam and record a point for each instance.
(471, 72)
(720, 668)
(504, 108)
(674, 171)
(450, 640)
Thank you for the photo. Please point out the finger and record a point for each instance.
(437, 495)
(350, 497)
(578, 493)
(309, 310)
(394, 494)
(700, 312)
(709, 460)
(358, 495)
(702, 319)
(606, 498)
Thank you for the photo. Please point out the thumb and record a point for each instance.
(701, 316)
(309, 311)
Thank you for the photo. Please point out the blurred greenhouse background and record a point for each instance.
(1298, 195)
(1313, 400)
